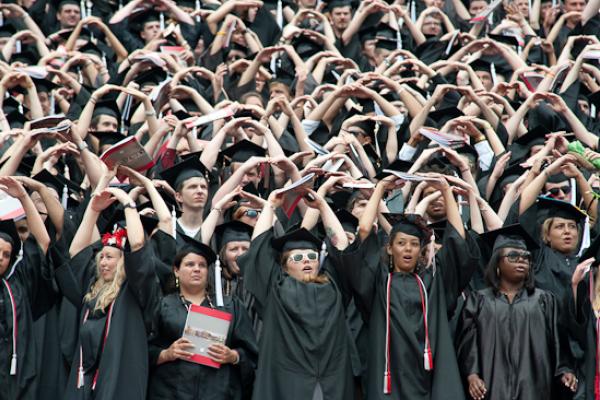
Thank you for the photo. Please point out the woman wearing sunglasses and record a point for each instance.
(305, 344)
(509, 345)
(406, 301)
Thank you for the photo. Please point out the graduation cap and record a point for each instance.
(510, 236)
(196, 247)
(330, 5)
(187, 169)
(297, 239)
(521, 147)
(44, 85)
(8, 233)
(441, 162)
(367, 33)
(142, 17)
(107, 107)
(284, 75)
(16, 120)
(243, 150)
(561, 209)
(60, 3)
(29, 57)
(305, 47)
(153, 76)
(57, 182)
(118, 218)
(439, 230)
(12, 104)
(397, 165)
(233, 231)
(340, 199)
(506, 39)
(349, 222)
(410, 224)
(108, 138)
(7, 30)
(444, 115)
(510, 174)
(91, 48)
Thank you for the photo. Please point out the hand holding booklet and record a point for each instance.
(443, 139)
(129, 153)
(204, 327)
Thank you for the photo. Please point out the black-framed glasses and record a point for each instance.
(555, 191)
(252, 213)
(313, 255)
(514, 256)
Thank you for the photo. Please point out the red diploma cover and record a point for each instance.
(203, 327)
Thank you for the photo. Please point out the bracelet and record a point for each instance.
(220, 33)
(131, 204)
(150, 113)
(480, 139)
(217, 210)
(82, 146)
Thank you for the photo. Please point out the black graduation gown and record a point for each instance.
(581, 323)
(368, 279)
(552, 270)
(32, 290)
(305, 344)
(516, 348)
(184, 380)
(122, 364)
(235, 287)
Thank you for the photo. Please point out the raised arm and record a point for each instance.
(34, 220)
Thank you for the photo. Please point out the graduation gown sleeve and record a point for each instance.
(258, 266)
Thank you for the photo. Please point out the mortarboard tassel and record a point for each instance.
(161, 18)
(198, 9)
(573, 185)
(218, 283)
(585, 240)
(280, 14)
(493, 73)
(13, 306)
(174, 220)
(18, 47)
(89, 5)
(593, 111)
(322, 255)
(65, 197)
(413, 11)
(82, 8)
(398, 35)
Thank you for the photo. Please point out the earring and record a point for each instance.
(498, 272)
(176, 281)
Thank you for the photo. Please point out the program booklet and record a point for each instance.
(129, 153)
(203, 327)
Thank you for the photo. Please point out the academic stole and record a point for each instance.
(13, 306)
(427, 354)
(80, 379)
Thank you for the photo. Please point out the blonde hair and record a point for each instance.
(547, 225)
(105, 292)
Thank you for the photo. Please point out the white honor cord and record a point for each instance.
(218, 283)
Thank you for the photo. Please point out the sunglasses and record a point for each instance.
(557, 190)
(514, 256)
(300, 256)
(252, 213)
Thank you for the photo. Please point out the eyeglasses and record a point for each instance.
(300, 256)
(514, 256)
(252, 213)
(555, 191)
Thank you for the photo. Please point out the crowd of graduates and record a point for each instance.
(387, 199)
